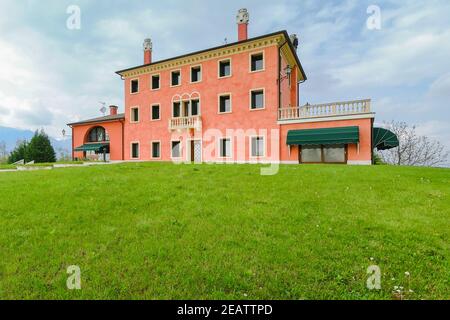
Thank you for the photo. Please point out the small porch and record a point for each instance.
(95, 151)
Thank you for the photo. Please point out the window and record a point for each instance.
(328, 154)
(155, 112)
(196, 74)
(224, 68)
(195, 107)
(175, 78)
(176, 149)
(135, 150)
(134, 86)
(257, 99)
(257, 62)
(98, 134)
(185, 109)
(176, 109)
(311, 154)
(224, 103)
(134, 114)
(155, 82)
(334, 154)
(257, 145)
(225, 147)
(156, 149)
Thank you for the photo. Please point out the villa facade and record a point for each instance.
(237, 103)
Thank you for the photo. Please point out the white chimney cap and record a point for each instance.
(148, 44)
(242, 16)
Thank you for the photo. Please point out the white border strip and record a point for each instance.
(330, 118)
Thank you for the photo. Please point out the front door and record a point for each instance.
(196, 151)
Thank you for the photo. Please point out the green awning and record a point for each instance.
(383, 139)
(323, 136)
(91, 147)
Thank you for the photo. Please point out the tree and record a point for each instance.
(414, 150)
(20, 152)
(3, 152)
(40, 149)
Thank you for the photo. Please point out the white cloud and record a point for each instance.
(404, 66)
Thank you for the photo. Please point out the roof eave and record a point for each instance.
(284, 32)
(95, 121)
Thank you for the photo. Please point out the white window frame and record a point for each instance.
(131, 85)
(218, 68)
(131, 114)
(151, 81)
(218, 102)
(171, 74)
(201, 73)
(171, 150)
(151, 112)
(199, 106)
(231, 147)
(151, 149)
(181, 105)
(264, 146)
(131, 150)
(251, 54)
(250, 99)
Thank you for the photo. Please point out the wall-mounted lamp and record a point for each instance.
(287, 74)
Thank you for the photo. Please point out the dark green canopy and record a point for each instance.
(91, 147)
(323, 136)
(383, 139)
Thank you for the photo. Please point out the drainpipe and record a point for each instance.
(73, 154)
(298, 92)
(279, 76)
(123, 138)
(279, 98)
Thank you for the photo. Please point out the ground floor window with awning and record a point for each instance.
(95, 151)
(324, 145)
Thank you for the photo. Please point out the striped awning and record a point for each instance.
(323, 136)
(91, 147)
(383, 139)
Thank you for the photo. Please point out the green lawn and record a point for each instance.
(165, 231)
(7, 167)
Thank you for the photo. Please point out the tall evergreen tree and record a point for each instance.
(40, 149)
(20, 152)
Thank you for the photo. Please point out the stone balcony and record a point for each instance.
(317, 111)
(179, 123)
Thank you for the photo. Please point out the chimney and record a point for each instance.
(294, 40)
(148, 51)
(113, 110)
(242, 19)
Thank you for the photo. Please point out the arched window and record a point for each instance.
(98, 134)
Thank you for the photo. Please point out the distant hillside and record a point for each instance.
(11, 135)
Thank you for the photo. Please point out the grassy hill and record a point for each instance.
(164, 231)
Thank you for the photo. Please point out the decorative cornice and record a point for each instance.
(205, 56)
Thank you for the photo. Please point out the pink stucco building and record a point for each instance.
(236, 103)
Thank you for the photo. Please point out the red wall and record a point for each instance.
(365, 138)
(114, 129)
(239, 85)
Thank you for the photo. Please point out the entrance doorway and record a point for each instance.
(195, 151)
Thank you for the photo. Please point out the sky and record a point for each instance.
(52, 74)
